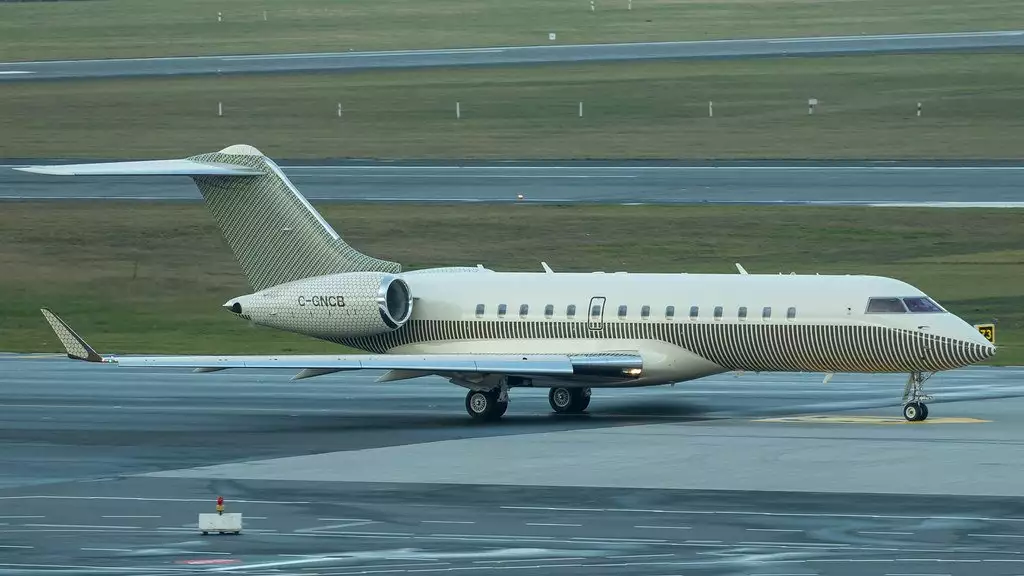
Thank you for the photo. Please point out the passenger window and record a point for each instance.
(570, 311)
(524, 310)
(501, 310)
(670, 313)
(742, 313)
(595, 313)
(918, 305)
(479, 310)
(766, 313)
(694, 312)
(718, 312)
(791, 314)
(622, 312)
(645, 312)
(885, 306)
(549, 310)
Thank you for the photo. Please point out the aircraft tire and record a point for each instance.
(583, 400)
(915, 411)
(484, 405)
(569, 400)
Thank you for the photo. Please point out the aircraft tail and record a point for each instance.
(275, 234)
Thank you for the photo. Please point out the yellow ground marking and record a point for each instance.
(885, 420)
(39, 356)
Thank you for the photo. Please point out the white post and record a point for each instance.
(811, 103)
(918, 109)
(711, 109)
(591, 5)
(339, 109)
(581, 109)
(458, 111)
(630, 5)
(264, 15)
(220, 108)
(219, 17)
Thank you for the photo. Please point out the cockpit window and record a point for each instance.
(917, 305)
(885, 306)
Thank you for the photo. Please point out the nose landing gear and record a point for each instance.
(914, 407)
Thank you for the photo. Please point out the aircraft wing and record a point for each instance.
(615, 364)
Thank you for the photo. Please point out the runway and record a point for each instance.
(511, 55)
(870, 183)
(105, 468)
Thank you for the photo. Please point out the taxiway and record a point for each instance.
(511, 55)
(105, 469)
(871, 183)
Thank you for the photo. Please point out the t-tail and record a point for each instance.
(275, 234)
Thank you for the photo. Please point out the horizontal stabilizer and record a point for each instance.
(182, 167)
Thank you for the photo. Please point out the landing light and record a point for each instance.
(633, 371)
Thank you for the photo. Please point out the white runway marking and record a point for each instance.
(553, 524)
(446, 522)
(140, 516)
(13, 72)
(771, 530)
(140, 499)
(785, 514)
(107, 549)
(664, 527)
(83, 526)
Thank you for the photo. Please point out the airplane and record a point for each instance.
(491, 331)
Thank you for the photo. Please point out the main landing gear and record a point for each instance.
(569, 400)
(487, 405)
(914, 407)
(490, 405)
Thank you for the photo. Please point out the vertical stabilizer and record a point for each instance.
(275, 234)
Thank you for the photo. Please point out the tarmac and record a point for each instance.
(104, 470)
(512, 55)
(949, 184)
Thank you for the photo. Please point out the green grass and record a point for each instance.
(151, 277)
(631, 110)
(134, 28)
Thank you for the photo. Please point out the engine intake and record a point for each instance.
(394, 299)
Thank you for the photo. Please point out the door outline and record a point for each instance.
(591, 322)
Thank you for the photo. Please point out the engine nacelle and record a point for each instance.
(348, 305)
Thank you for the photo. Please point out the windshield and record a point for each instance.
(917, 305)
(885, 306)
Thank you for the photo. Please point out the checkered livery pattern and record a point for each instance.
(73, 343)
(330, 305)
(733, 346)
(274, 233)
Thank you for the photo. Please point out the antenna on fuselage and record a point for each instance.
(740, 268)
(547, 268)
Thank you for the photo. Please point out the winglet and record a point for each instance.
(76, 347)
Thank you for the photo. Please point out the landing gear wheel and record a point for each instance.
(915, 411)
(569, 400)
(914, 407)
(485, 405)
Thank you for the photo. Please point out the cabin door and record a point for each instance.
(595, 319)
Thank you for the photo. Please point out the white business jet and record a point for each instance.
(570, 332)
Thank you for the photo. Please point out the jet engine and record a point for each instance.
(349, 305)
